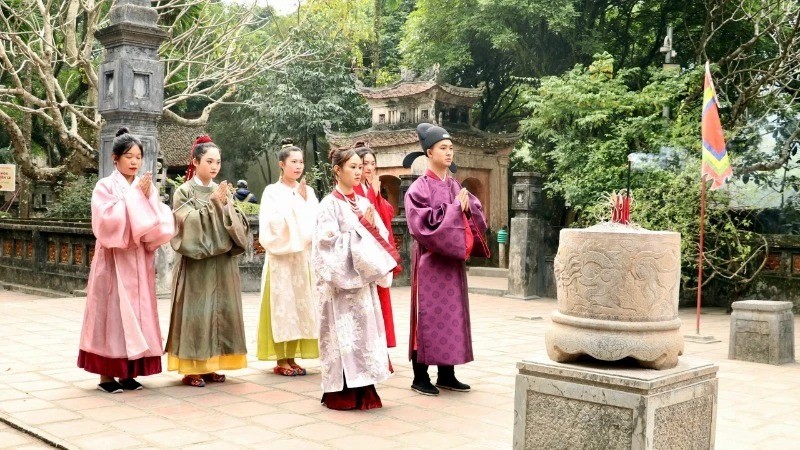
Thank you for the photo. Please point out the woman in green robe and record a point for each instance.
(206, 330)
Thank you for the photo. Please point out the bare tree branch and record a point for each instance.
(782, 159)
(214, 47)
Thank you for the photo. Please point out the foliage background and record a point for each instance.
(582, 81)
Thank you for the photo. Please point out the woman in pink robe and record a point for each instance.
(121, 337)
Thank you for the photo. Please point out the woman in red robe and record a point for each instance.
(370, 188)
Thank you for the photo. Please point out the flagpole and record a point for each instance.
(700, 253)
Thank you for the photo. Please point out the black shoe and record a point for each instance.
(111, 387)
(130, 384)
(425, 388)
(453, 385)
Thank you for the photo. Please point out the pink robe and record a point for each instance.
(121, 335)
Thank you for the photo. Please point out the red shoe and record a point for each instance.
(285, 371)
(193, 380)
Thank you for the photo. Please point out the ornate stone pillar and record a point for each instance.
(131, 79)
(526, 277)
(132, 95)
(502, 175)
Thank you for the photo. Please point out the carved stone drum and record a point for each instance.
(617, 289)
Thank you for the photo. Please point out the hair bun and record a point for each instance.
(287, 141)
(359, 144)
(332, 152)
(204, 139)
(121, 131)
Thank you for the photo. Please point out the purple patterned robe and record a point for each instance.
(440, 324)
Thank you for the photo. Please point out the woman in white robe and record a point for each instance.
(288, 327)
(351, 257)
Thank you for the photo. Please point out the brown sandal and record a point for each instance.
(213, 377)
(193, 380)
(285, 371)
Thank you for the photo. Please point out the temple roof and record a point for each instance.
(392, 138)
(175, 142)
(408, 88)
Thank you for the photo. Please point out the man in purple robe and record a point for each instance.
(448, 224)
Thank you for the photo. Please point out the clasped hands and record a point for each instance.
(145, 184)
(222, 192)
(463, 198)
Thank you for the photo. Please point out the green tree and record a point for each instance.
(490, 43)
(755, 45)
(74, 198)
(583, 126)
(299, 102)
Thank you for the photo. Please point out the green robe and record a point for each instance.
(206, 328)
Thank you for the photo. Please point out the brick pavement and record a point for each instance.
(40, 388)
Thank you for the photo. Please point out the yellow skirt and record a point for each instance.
(270, 350)
(199, 367)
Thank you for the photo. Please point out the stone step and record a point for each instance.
(479, 284)
(30, 290)
(487, 291)
(494, 272)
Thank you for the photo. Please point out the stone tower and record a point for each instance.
(131, 80)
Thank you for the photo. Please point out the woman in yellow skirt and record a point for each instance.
(288, 327)
(206, 330)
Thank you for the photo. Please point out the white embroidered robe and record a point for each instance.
(349, 263)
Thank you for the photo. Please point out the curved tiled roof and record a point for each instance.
(462, 91)
(175, 142)
(373, 138)
(407, 88)
(392, 138)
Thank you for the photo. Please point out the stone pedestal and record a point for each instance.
(762, 331)
(601, 406)
(526, 247)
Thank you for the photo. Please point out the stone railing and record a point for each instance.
(47, 254)
(57, 255)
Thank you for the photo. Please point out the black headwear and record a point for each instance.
(429, 135)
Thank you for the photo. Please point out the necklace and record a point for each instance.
(352, 202)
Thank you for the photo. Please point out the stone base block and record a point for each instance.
(597, 405)
(762, 331)
(655, 345)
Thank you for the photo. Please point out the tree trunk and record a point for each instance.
(376, 45)
(315, 147)
(317, 158)
(268, 174)
(25, 195)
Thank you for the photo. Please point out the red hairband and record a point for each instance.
(204, 139)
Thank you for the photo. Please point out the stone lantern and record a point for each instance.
(526, 247)
(131, 80)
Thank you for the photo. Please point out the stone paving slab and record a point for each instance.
(13, 438)
(40, 388)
